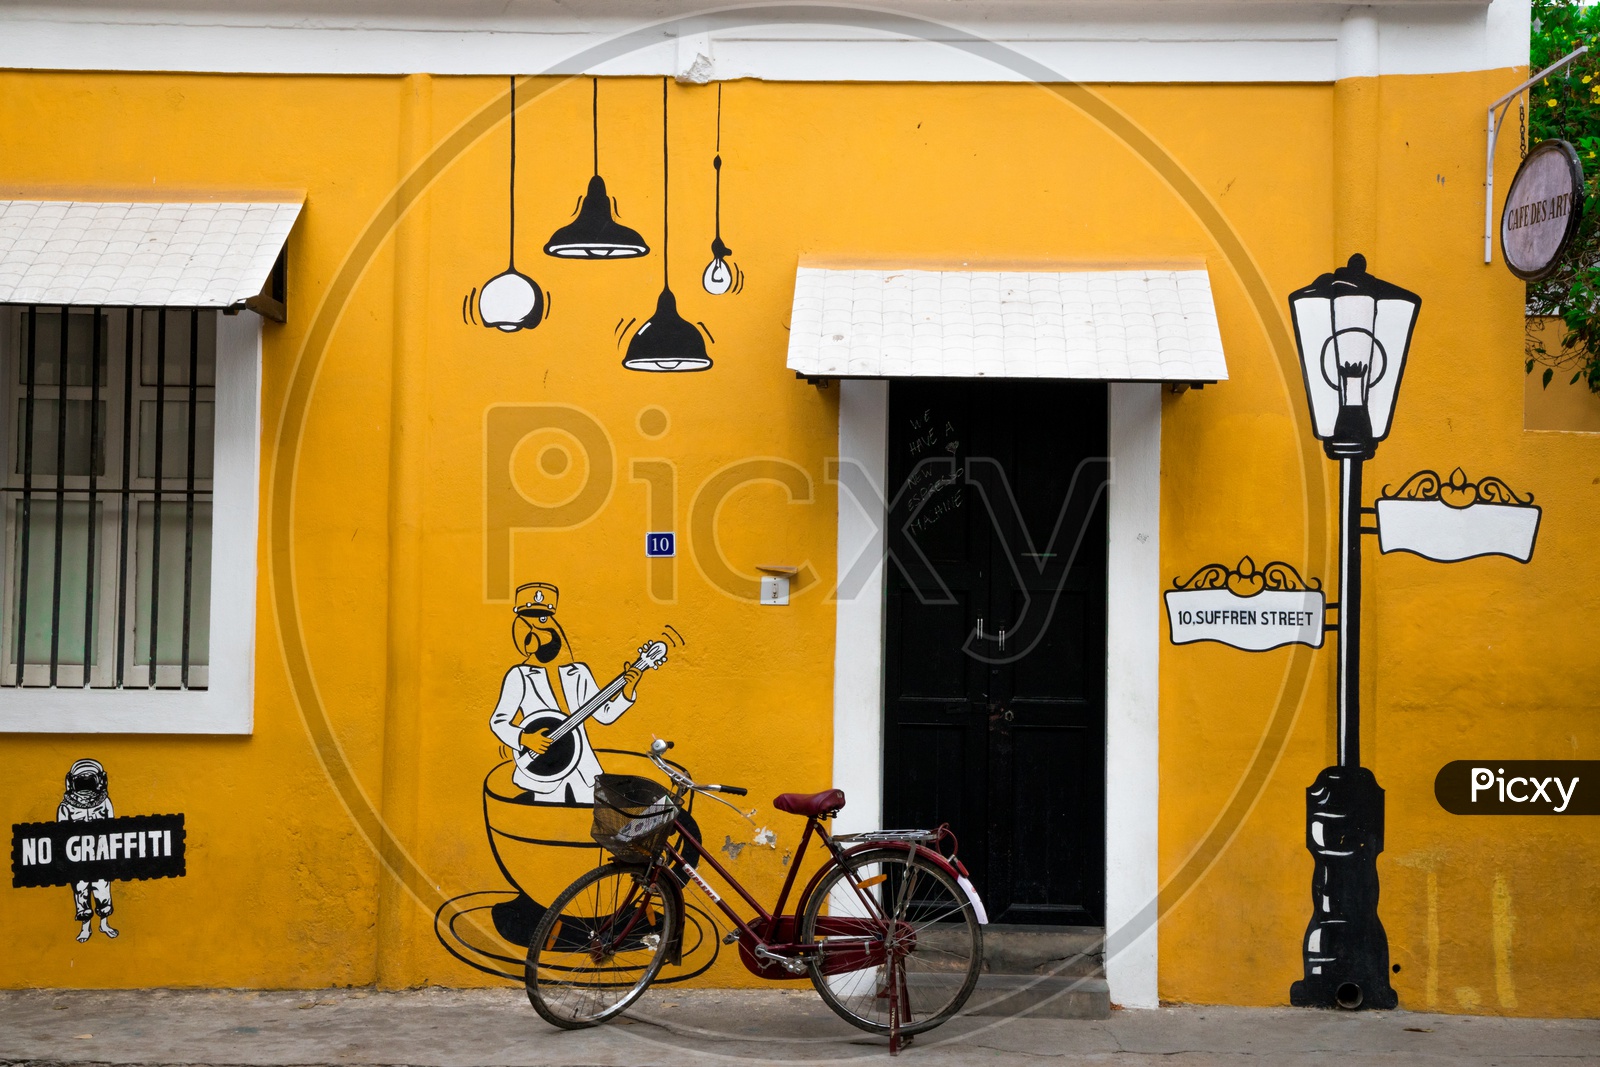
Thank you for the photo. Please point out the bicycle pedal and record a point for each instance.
(731, 937)
(793, 966)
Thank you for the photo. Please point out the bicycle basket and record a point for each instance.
(632, 816)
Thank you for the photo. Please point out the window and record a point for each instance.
(117, 462)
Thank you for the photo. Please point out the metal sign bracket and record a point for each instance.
(1497, 115)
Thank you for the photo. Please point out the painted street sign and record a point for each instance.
(1542, 209)
(1448, 520)
(1249, 609)
(121, 849)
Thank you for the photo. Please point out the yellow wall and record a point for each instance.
(380, 396)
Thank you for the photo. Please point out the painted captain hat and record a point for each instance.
(536, 598)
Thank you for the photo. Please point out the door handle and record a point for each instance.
(1002, 640)
(1008, 715)
(980, 627)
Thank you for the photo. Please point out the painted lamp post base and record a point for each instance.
(1346, 950)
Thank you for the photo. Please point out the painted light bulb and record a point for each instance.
(511, 301)
(718, 278)
(719, 275)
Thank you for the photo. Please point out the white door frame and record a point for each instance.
(1132, 638)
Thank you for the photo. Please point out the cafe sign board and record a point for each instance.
(1542, 209)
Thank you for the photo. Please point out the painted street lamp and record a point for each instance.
(1353, 332)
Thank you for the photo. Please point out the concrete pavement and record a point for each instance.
(685, 1028)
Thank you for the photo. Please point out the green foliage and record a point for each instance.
(1567, 106)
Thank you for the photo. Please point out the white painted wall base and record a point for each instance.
(1133, 633)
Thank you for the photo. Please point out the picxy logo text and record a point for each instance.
(1519, 787)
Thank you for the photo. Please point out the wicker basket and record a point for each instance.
(632, 816)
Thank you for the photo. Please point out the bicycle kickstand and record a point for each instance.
(899, 1004)
(894, 1010)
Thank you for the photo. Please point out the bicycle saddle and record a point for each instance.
(827, 802)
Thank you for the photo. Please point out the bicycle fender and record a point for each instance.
(972, 894)
(675, 947)
(953, 867)
(690, 854)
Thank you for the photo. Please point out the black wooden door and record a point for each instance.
(995, 635)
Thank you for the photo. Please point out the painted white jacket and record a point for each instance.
(527, 689)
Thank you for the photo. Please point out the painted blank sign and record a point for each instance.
(1435, 530)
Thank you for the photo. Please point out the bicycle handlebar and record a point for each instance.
(658, 746)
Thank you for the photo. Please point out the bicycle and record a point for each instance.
(889, 930)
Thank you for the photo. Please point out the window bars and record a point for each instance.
(107, 496)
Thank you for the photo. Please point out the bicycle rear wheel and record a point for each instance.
(601, 944)
(903, 904)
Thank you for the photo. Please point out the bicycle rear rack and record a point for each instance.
(918, 836)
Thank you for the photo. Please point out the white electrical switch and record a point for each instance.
(774, 591)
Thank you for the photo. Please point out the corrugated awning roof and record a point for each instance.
(1122, 325)
(139, 254)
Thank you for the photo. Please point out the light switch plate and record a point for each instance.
(774, 591)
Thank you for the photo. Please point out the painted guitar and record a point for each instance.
(568, 741)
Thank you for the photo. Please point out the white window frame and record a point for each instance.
(227, 705)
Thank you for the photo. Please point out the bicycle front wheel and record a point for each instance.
(601, 944)
(884, 904)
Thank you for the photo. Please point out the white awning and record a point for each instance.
(1116, 325)
(209, 255)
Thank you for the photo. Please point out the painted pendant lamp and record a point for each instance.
(720, 276)
(666, 342)
(595, 233)
(511, 301)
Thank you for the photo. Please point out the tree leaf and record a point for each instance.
(1548, 374)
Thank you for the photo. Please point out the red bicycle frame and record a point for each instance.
(769, 944)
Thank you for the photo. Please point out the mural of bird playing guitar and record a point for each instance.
(547, 698)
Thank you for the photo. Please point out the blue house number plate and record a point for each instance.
(660, 544)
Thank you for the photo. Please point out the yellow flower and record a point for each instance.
(1587, 78)
(1550, 102)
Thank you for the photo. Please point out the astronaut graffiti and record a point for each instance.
(88, 848)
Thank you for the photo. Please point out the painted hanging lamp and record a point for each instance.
(595, 234)
(511, 301)
(720, 276)
(666, 342)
